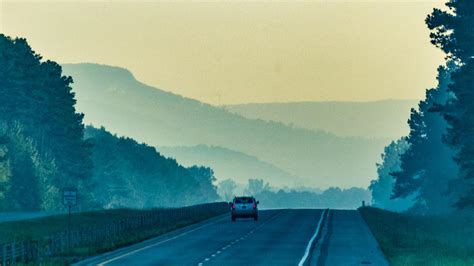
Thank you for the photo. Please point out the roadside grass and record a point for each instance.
(41, 228)
(411, 240)
(38, 228)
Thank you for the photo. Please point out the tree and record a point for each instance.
(27, 181)
(382, 187)
(36, 97)
(256, 186)
(226, 189)
(205, 178)
(133, 175)
(427, 169)
(5, 172)
(452, 32)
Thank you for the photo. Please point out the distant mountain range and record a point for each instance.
(378, 119)
(113, 98)
(231, 164)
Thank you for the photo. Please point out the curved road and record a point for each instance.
(280, 237)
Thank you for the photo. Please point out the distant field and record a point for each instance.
(409, 240)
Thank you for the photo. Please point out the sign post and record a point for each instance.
(69, 200)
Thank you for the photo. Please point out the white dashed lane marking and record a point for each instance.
(238, 239)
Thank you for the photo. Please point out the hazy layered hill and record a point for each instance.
(111, 97)
(231, 164)
(378, 119)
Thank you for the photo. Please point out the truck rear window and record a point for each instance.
(243, 200)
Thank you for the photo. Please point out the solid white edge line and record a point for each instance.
(155, 244)
(310, 243)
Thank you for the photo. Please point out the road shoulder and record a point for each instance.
(347, 240)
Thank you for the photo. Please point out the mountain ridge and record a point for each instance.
(127, 107)
(370, 119)
(229, 164)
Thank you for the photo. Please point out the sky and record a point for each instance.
(231, 52)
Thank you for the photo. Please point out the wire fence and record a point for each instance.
(62, 242)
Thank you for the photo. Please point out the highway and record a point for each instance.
(280, 237)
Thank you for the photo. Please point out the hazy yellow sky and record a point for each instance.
(237, 52)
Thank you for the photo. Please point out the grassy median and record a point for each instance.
(410, 240)
(40, 229)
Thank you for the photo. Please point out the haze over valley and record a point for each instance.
(374, 119)
(283, 155)
(314, 132)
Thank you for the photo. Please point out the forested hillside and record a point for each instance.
(42, 134)
(43, 148)
(129, 174)
(228, 164)
(111, 97)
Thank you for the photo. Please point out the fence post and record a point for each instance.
(13, 254)
(4, 255)
(23, 251)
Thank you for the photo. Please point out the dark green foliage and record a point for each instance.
(129, 174)
(423, 240)
(206, 179)
(26, 174)
(43, 149)
(460, 115)
(36, 98)
(382, 187)
(452, 31)
(24, 186)
(427, 169)
(4, 168)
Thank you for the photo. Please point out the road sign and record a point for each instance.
(70, 196)
(69, 199)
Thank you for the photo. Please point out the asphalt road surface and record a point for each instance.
(280, 237)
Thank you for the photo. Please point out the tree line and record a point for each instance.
(129, 174)
(431, 171)
(45, 147)
(270, 197)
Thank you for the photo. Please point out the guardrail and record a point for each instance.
(39, 250)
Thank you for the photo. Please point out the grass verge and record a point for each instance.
(411, 240)
(41, 228)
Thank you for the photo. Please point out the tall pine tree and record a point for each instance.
(382, 187)
(452, 31)
(35, 95)
(427, 169)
